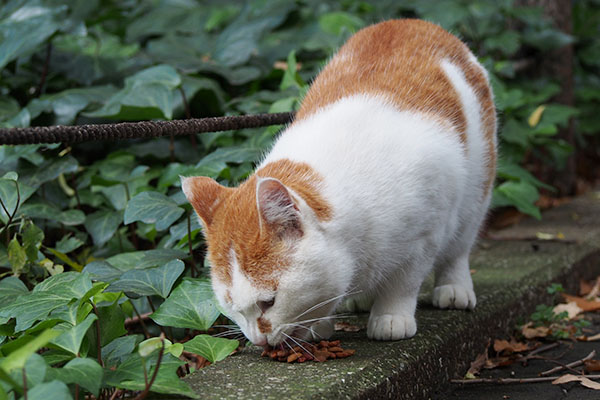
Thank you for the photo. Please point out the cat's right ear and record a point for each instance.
(203, 194)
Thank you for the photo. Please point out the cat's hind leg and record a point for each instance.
(453, 283)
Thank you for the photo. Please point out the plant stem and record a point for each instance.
(149, 385)
(569, 366)
(98, 344)
(24, 384)
(76, 392)
(11, 216)
(41, 85)
(189, 229)
(514, 380)
(162, 330)
(141, 319)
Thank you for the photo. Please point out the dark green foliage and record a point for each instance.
(115, 210)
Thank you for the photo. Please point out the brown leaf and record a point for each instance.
(571, 308)
(509, 347)
(594, 291)
(585, 305)
(593, 338)
(530, 332)
(346, 327)
(581, 379)
(584, 287)
(499, 362)
(592, 365)
(478, 363)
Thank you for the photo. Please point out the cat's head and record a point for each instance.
(272, 264)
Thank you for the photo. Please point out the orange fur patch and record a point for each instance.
(400, 59)
(264, 326)
(234, 222)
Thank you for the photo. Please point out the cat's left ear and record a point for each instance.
(277, 208)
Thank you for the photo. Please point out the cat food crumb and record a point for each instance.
(320, 352)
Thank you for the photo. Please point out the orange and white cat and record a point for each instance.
(385, 174)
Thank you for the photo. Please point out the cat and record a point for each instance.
(385, 174)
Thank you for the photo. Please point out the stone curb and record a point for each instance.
(510, 274)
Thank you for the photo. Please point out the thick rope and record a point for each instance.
(142, 129)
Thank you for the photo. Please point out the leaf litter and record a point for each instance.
(568, 320)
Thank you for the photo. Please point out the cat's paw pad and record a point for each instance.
(391, 327)
(454, 296)
(321, 330)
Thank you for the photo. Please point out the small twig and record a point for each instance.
(98, 344)
(11, 216)
(570, 366)
(189, 229)
(137, 318)
(513, 380)
(76, 392)
(116, 393)
(149, 384)
(527, 239)
(534, 353)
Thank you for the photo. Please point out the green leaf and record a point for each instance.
(112, 324)
(55, 390)
(130, 375)
(16, 256)
(102, 225)
(116, 351)
(512, 171)
(212, 348)
(522, 195)
(146, 95)
(234, 154)
(152, 208)
(144, 259)
(11, 288)
(36, 370)
(48, 171)
(102, 271)
(151, 281)
(32, 240)
(85, 372)
(68, 244)
(18, 358)
(190, 305)
(336, 22)
(9, 196)
(70, 340)
(26, 28)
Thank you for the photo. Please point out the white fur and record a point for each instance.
(407, 196)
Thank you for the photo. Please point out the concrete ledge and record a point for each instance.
(511, 275)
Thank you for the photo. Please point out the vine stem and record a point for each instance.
(11, 216)
(98, 344)
(149, 384)
(514, 380)
(189, 229)
(141, 319)
(24, 384)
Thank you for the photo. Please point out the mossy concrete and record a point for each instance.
(510, 274)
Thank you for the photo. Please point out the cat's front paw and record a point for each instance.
(321, 330)
(391, 327)
(454, 296)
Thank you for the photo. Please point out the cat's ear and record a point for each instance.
(277, 208)
(203, 194)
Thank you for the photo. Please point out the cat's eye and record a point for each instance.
(265, 305)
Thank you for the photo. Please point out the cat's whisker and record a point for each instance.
(298, 343)
(325, 302)
(327, 317)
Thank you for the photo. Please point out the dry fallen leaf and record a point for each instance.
(593, 338)
(584, 287)
(530, 332)
(476, 365)
(592, 365)
(571, 308)
(585, 305)
(573, 378)
(594, 291)
(346, 327)
(510, 347)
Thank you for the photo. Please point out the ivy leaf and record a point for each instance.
(16, 256)
(190, 305)
(102, 225)
(151, 281)
(18, 358)
(36, 370)
(48, 171)
(146, 95)
(10, 288)
(32, 240)
(9, 196)
(68, 244)
(85, 372)
(115, 352)
(112, 325)
(521, 194)
(55, 390)
(144, 259)
(152, 208)
(130, 375)
(212, 348)
(70, 340)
